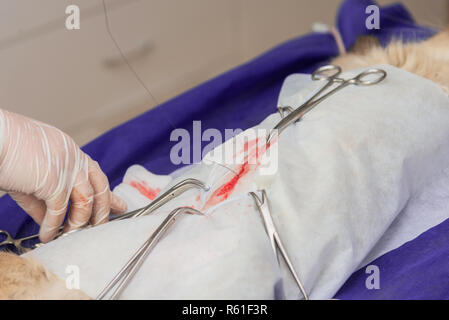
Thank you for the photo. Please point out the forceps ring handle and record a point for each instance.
(366, 78)
(16, 243)
(328, 72)
(7, 240)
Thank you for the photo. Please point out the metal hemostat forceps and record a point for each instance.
(263, 206)
(170, 194)
(17, 243)
(329, 73)
(125, 275)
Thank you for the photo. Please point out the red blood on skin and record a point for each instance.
(246, 147)
(145, 190)
(249, 144)
(225, 190)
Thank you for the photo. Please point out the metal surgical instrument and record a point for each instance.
(17, 243)
(283, 110)
(263, 206)
(170, 194)
(127, 272)
(329, 73)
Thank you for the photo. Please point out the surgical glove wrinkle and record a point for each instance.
(42, 168)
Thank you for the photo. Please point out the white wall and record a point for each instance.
(62, 77)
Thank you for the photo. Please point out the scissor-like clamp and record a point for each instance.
(330, 73)
(263, 206)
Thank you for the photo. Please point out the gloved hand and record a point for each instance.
(42, 168)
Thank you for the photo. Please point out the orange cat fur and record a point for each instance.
(22, 278)
(428, 59)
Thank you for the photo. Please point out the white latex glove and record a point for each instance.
(42, 168)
